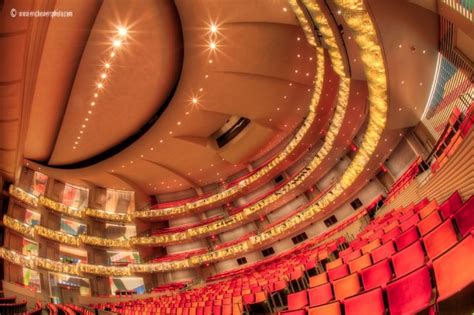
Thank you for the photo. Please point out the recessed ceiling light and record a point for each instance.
(285, 9)
(212, 45)
(103, 75)
(117, 43)
(213, 28)
(100, 85)
(89, 112)
(152, 148)
(83, 126)
(194, 100)
(96, 95)
(122, 31)
(178, 123)
(112, 54)
(92, 103)
(107, 65)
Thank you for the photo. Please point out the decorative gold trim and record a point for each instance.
(23, 196)
(59, 207)
(110, 216)
(18, 226)
(57, 236)
(104, 242)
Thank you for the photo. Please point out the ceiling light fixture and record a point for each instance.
(122, 31)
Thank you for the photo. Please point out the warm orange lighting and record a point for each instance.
(195, 100)
(92, 103)
(100, 85)
(103, 75)
(122, 31)
(107, 65)
(213, 45)
(112, 54)
(95, 96)
(213, 28)
(117, 43)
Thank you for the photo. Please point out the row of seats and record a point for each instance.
(406, 245)
(9, 306)
(403, 271)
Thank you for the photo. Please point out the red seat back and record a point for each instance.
(338, 272)
(320, 295)
(408, 259)
(377, 275)
(454, 270)
(465, 217)
(370, 302)
(406, 238)
(411, 293)
(382, 252)
(440, 239)
(327, 309)
(450, 205)
(347, 286)
(297, 300)
(429, 223)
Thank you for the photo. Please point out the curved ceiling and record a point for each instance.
(261, 68)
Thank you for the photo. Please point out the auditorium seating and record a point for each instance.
(9, 306)
(427, 264)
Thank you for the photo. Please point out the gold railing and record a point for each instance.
(104, 242)
(18, 226)
(110, 216)
(23, 196)
(59, 207)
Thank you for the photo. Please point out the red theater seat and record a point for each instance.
(351, 256)
(409, 223)
(347, 286)
(407, 238)
(440, 239)
(371, 246)
(389, 236)
(318, 279)
(408, 259)
(338, 273)
(360, 263)
(320, 295)
(370, 302)
(450, 205)
(382, 252)
(377, 275)
(297, 300)
(454, 270)
(411, 293)
(429, 223)
(334, 264)
(328, 309)
(428, 209)
(465, 217)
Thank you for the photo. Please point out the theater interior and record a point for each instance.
(227, 157)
